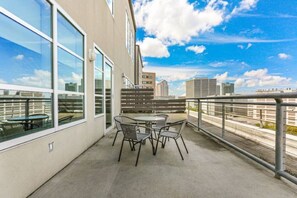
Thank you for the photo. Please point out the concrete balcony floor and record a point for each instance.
(209, 170)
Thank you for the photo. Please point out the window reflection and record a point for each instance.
(70, 108)
(108, 99)
(24, 112)
(35, 12)
(69, 36)
(99, 105)
(25, 56)
(70, 72)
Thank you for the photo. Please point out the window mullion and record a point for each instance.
(55, 65)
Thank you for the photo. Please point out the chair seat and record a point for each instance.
(142, 136)
(171, 134)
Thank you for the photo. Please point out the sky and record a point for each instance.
(251, 43)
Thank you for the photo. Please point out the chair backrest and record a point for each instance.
(123, 119)
(129, 131)
(161, 123)
(183, 124)
(118, 120)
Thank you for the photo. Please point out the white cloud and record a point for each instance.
(2, 81)
(221, 77)
(197, 49)
(74, 78)
(230, 63)
(176, 22)
(223, 39)
(283, 56)
(177, 73)
(41, 78)
(248, 45)
(244, 5)
(240, 46)
(256, 73)
(153, 47)
(260, 77)
(19, 57)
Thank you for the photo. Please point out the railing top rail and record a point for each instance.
(251, 96)
(23, 98)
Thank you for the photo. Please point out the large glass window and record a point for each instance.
(99, 83)
(27, 76)
(37, 13)
(26, 65)
(70, 72)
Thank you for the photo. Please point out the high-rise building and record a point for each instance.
(225, 88)
(201, 87)
(138, 67)
(162, 88)
(71, 86)
(149, 80)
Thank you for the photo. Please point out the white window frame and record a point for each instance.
(54, 91)
(95, 47)
(111, 64)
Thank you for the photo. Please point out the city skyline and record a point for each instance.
(249, 42)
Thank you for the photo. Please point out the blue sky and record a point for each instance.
(251, 43)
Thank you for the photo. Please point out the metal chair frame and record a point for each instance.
(118, 121)
(132, 134)
(165, 133)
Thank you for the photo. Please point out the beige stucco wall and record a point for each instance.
(25, 167)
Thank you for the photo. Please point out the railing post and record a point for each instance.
(27, 108)
(261, 119)
(280, 138)
(199, 114)
(223, 120)
(188, 107)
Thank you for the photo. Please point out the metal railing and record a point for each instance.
(280, 101)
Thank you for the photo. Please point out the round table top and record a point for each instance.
(26, 118)
(148, 118)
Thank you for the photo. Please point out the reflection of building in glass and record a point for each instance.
(71, 87)
(201, 87)
(162, 88)
(81, 86)
(13, 104)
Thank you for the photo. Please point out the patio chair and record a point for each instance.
(121, 119)
(166, 132)
(132, 134)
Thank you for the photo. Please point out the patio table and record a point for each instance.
(149, 119)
